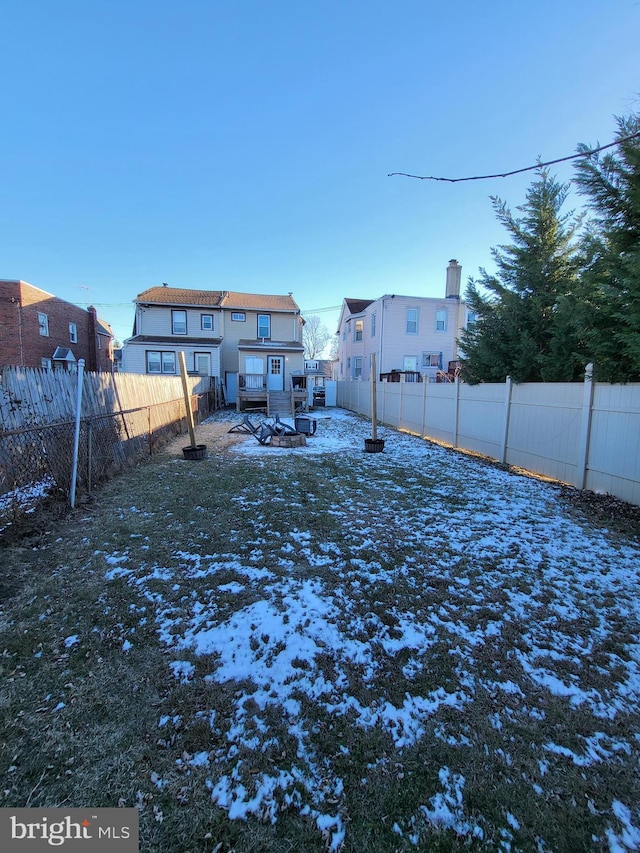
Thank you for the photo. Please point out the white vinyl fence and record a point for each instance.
(586, 434)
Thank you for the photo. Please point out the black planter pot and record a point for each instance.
(197, 452)
(373, 445)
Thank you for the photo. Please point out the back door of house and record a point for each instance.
(275, 373)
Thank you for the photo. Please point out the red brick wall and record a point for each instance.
(20, 340)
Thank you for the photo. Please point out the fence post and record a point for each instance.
(507, 417)
(89, 453)
(76, 436)
(425, 382)
(585, 428)
(402, 378)
(456, 411)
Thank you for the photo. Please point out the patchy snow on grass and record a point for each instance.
(24, 499)
(472, 589)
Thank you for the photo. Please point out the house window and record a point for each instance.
(359, 329)
(99, 341)
(43, 325)
(45, 363)
(238, 316)
(348, 362)
(73, 333)
(472, 319)
(264, 326)
(179, 322)
(161, 362)
(412, 321)
(206, 322)
(357, 367)
(441, 320)
(202, 363)
(373, 325)
(432, 359)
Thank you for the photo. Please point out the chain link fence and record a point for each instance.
(36, 461)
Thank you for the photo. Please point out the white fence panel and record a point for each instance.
(544, 429)
(440, 414)
(614, 458)
(481, 418)
(579, 433)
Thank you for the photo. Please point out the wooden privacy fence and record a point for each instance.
(586, 434)
(124, 417)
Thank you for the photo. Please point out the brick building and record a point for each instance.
(39, 330)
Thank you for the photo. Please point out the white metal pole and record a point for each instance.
(76, 437)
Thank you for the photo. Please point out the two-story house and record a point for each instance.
(37, 329)
(251, 343)
(411, 335)
(172, 319)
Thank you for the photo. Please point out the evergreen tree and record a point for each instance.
(524, 325)
(608, 309)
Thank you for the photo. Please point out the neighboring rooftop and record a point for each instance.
(357, 306)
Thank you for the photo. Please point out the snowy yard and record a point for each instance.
(397, 651)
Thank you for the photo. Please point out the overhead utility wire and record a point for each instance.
(518, 171)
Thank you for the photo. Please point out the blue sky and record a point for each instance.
(247, 145)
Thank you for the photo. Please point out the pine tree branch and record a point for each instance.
(519, 171)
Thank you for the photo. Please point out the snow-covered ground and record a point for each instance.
(487, 573)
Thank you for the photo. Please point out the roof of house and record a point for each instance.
(104, 329)
(180, 296)
(357, 306)
(217, 299)
(258, 301)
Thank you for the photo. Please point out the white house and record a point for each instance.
(414, 335)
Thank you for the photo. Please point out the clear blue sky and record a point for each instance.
(247, 145)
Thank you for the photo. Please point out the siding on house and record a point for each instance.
(229, 342)
(403, 331)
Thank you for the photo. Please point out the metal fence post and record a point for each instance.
(89, 453)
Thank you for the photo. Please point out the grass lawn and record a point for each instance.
(326, 649)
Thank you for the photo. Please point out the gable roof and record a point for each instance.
(357, 306)
(228, 299)
(258, 302)
(180, 296)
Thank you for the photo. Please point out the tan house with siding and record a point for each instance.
(412, 336)
(251, 343)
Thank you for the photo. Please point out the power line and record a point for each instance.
(519, 171)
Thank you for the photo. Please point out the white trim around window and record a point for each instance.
(73, 333)
(178, 323)
(159, 361)
(264, 325)
(43, 325)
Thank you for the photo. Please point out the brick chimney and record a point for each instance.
(454, 274)
(92, 363)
